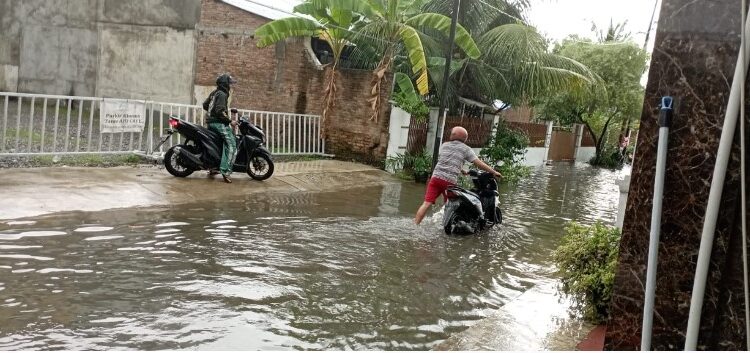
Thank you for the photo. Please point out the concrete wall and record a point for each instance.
(146, 63)
(399, 132)
(129, 49)
(584, 154)
(535, 156)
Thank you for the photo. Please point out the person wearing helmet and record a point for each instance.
(217, 105)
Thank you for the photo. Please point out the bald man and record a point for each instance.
(451, 158)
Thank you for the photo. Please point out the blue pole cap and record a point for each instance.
(666, 103)
(666, 112)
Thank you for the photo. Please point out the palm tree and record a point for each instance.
(516, 65)
(329, 20)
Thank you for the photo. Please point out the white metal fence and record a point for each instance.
(35, 124)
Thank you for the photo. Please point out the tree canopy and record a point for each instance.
(615, 96)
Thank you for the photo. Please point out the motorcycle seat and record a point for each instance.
(215, 137)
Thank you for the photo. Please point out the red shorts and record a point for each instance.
(435, 188)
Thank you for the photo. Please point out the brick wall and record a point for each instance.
(283, 78)
(351, 133)
(275, 78)
(520, 114)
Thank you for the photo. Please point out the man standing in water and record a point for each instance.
(451, 158)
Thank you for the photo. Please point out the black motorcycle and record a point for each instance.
(202, 150)
(471, 211)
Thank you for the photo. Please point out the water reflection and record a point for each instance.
(344, 270)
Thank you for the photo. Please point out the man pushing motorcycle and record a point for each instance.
(217, 105)
(451, 158)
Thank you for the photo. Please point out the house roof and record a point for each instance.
(468, 101)
(496, 104)
(270, 9)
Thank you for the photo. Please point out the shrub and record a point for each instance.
(408, 166)
(609, 158)
(507, 146)
(412, 105)
(587, 259)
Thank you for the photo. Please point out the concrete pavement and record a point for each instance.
(27, 192)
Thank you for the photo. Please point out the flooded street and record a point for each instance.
(343, 270)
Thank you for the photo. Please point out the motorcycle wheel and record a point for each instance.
(448, 228)
(498, 216)
(174, 164)
(259, 167)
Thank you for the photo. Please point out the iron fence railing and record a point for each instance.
(37, 124)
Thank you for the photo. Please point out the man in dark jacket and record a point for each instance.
(217, 105)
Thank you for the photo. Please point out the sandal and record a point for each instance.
(227, 179)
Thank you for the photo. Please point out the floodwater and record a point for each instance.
(344, 270)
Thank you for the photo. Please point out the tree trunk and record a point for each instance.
(593, 135)
(377, 80)
(600, 141)
(330, 97)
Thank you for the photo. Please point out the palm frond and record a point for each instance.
(281, 29)
(509, 43)
(442, 23)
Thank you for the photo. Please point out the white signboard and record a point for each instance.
(122, 115)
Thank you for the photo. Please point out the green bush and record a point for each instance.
(610, 158)
(407, 165)
(507, 146)
(587, 259)
(412, 105)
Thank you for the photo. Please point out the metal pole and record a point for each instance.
(665, 121)
(714, 198)
(743, 207)
(446, 79)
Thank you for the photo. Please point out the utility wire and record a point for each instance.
(648, 32)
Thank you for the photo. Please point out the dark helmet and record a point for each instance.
(224, 81)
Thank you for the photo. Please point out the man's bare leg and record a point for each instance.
(421, 212)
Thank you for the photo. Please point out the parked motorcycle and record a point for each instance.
(202, 150)
(471, 211)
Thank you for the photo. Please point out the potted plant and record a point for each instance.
(421, 166)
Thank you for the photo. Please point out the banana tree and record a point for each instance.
(329, 20)
(397, 26)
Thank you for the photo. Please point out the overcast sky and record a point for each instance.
(559, 18)
(555, 18)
